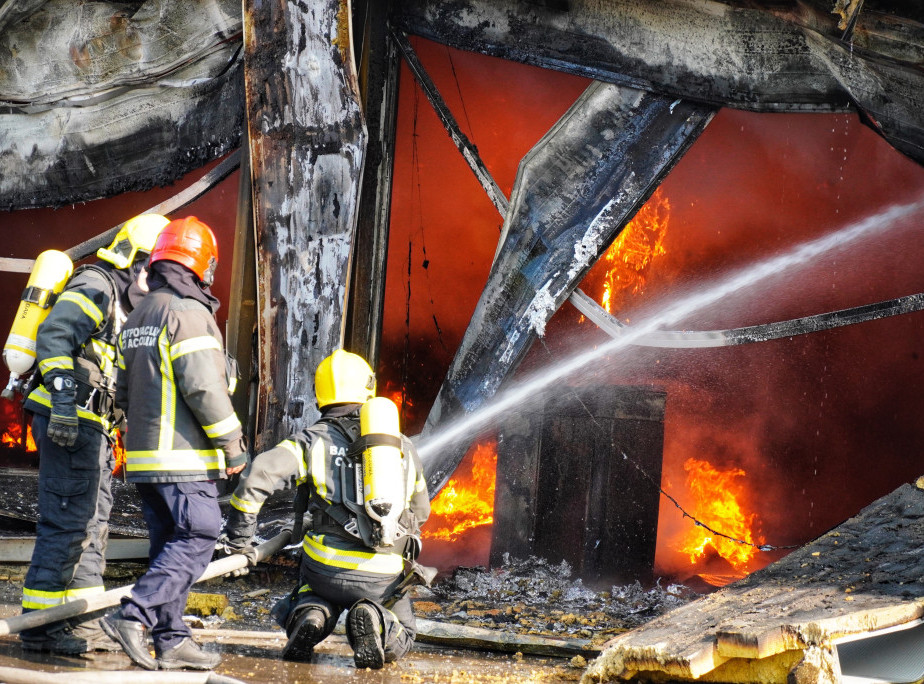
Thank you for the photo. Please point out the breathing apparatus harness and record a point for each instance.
(349, 514)
(96, 389)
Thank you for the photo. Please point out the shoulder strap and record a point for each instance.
(114, 306)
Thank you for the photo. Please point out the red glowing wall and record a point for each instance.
(821, 424)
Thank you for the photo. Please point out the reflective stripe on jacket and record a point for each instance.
(317, 456)
(174, 388)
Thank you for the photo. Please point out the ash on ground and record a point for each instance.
(534, 596)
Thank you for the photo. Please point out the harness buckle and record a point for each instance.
(352, 527)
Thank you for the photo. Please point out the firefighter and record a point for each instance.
(75, 423)
(341, 566)
(174, 385)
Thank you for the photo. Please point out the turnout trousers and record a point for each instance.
(74, 502)
(333, 590)
(183, 521)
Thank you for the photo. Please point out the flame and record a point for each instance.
(630, 256)
(717, 496)
(12, 421)
(12, 437)
(466, 501)
(118, 451)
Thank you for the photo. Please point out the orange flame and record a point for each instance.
(466, 501)
(630, 256)
(118, 451)
(12, 437)
(11, 418)
(717, 499)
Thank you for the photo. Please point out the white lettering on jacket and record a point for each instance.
(142, 336)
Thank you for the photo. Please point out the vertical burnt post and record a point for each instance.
(577, 480)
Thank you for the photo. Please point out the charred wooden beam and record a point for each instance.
(96, 99)
(378, 77)
(307, 145)
(611, 150)
(782, 57)
(241, 334)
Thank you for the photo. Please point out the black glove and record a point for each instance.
(237, 537)
(224, 548)
(63, 425)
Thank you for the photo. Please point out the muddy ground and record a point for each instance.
(521, 600)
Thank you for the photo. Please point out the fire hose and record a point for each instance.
(687, 339)
(107, 599)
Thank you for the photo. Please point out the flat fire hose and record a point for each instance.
(107, 599)
(690, 339)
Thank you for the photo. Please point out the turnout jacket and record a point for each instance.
(317, 459)
(174, 387)
(78, 338)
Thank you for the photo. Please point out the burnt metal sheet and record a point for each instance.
(96, 99)
(791, 57)
(307, 147)
(574, 192)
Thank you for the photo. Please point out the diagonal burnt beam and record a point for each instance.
(307, 147)
(465, 146)
(575, 190)
(792, 57)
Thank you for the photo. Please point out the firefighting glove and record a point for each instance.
(62, 424)
(237, 537)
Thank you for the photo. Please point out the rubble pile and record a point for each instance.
(534, 596)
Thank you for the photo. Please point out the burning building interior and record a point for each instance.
(749, 428)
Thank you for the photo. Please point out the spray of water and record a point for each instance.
(468, 426)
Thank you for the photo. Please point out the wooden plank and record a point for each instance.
(19, 549)
(307, 147)
(611, 149)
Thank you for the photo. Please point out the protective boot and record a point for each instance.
(188, 655)
(86, 637)
(307, 631)
(364, 630)
(132, 636)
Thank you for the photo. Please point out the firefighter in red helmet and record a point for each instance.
(175, 388)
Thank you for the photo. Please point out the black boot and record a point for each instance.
(187, 655)
(364, 630)
(132, 636)
(307, 631)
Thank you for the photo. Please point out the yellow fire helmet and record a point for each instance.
(343, 378)
(138, 234)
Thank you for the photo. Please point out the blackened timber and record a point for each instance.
(461, 141)
(611, 150)
(378, 78)
(790, 57)
(242, 319)
(579, 441)
(307, 145)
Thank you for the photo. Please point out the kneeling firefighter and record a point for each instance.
(362, 483)
(75, 423)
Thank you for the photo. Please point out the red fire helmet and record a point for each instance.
(191, 243)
